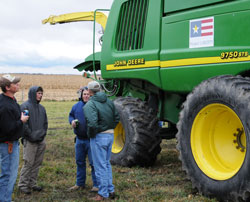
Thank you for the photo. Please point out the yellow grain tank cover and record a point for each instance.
(100, 18)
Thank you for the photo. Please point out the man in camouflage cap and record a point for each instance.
(101, 116)
(11, 129)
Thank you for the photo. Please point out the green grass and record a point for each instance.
(165, 181)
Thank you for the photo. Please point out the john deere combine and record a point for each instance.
(185, 63)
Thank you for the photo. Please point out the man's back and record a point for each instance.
(101, 113)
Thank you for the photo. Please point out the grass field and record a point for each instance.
(165, 181)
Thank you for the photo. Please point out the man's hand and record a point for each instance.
(24, 118)
(73, 123)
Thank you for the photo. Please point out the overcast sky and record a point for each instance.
(28, 46)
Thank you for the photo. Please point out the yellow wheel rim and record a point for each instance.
(218, 141)
(119, 138)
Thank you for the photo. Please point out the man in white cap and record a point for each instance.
(101, 116)
(11, 129)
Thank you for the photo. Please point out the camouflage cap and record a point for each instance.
(94, 86)
(7, 79)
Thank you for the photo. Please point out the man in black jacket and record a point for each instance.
(33, 143)
(11, 129)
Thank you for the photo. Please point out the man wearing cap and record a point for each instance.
(101, 116)
(11, 129)
(82, 145)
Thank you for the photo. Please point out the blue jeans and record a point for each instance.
(101, 147)
(82, 149)
(9, 169)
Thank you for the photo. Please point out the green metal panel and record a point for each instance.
(125, 29)
(171, 107)
(231, 33)
(121, 25)
(145, 47)
(142, 74)
(184, 79)
(134, 24)
(177, 5)
(87, 65)
(135, 45)
(143, 22)
(226, 7)
(131, 25)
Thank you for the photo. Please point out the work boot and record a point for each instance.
(75, 188)
(112, 195)
(98, 198)
(37, 188)
(94, 189)
(25, 190)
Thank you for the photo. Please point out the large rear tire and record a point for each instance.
(213, 137)
(136, 138)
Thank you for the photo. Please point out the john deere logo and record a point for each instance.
(120, 63)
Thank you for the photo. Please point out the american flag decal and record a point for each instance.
(207, 27)
(201, 32)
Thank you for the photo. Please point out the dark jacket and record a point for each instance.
(37, 125)
(77, 113)
(11, 126)
(101, 114)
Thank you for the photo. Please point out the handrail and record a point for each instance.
(95, 16)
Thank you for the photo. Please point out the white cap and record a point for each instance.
(7, 79)
(94, 86)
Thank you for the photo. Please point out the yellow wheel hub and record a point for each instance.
(218, 141)
(119, 138)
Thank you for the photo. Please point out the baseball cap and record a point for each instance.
(7, 79)
(94, 86)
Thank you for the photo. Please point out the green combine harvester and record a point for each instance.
(185, 64)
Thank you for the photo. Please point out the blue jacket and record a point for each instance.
(77, 113)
